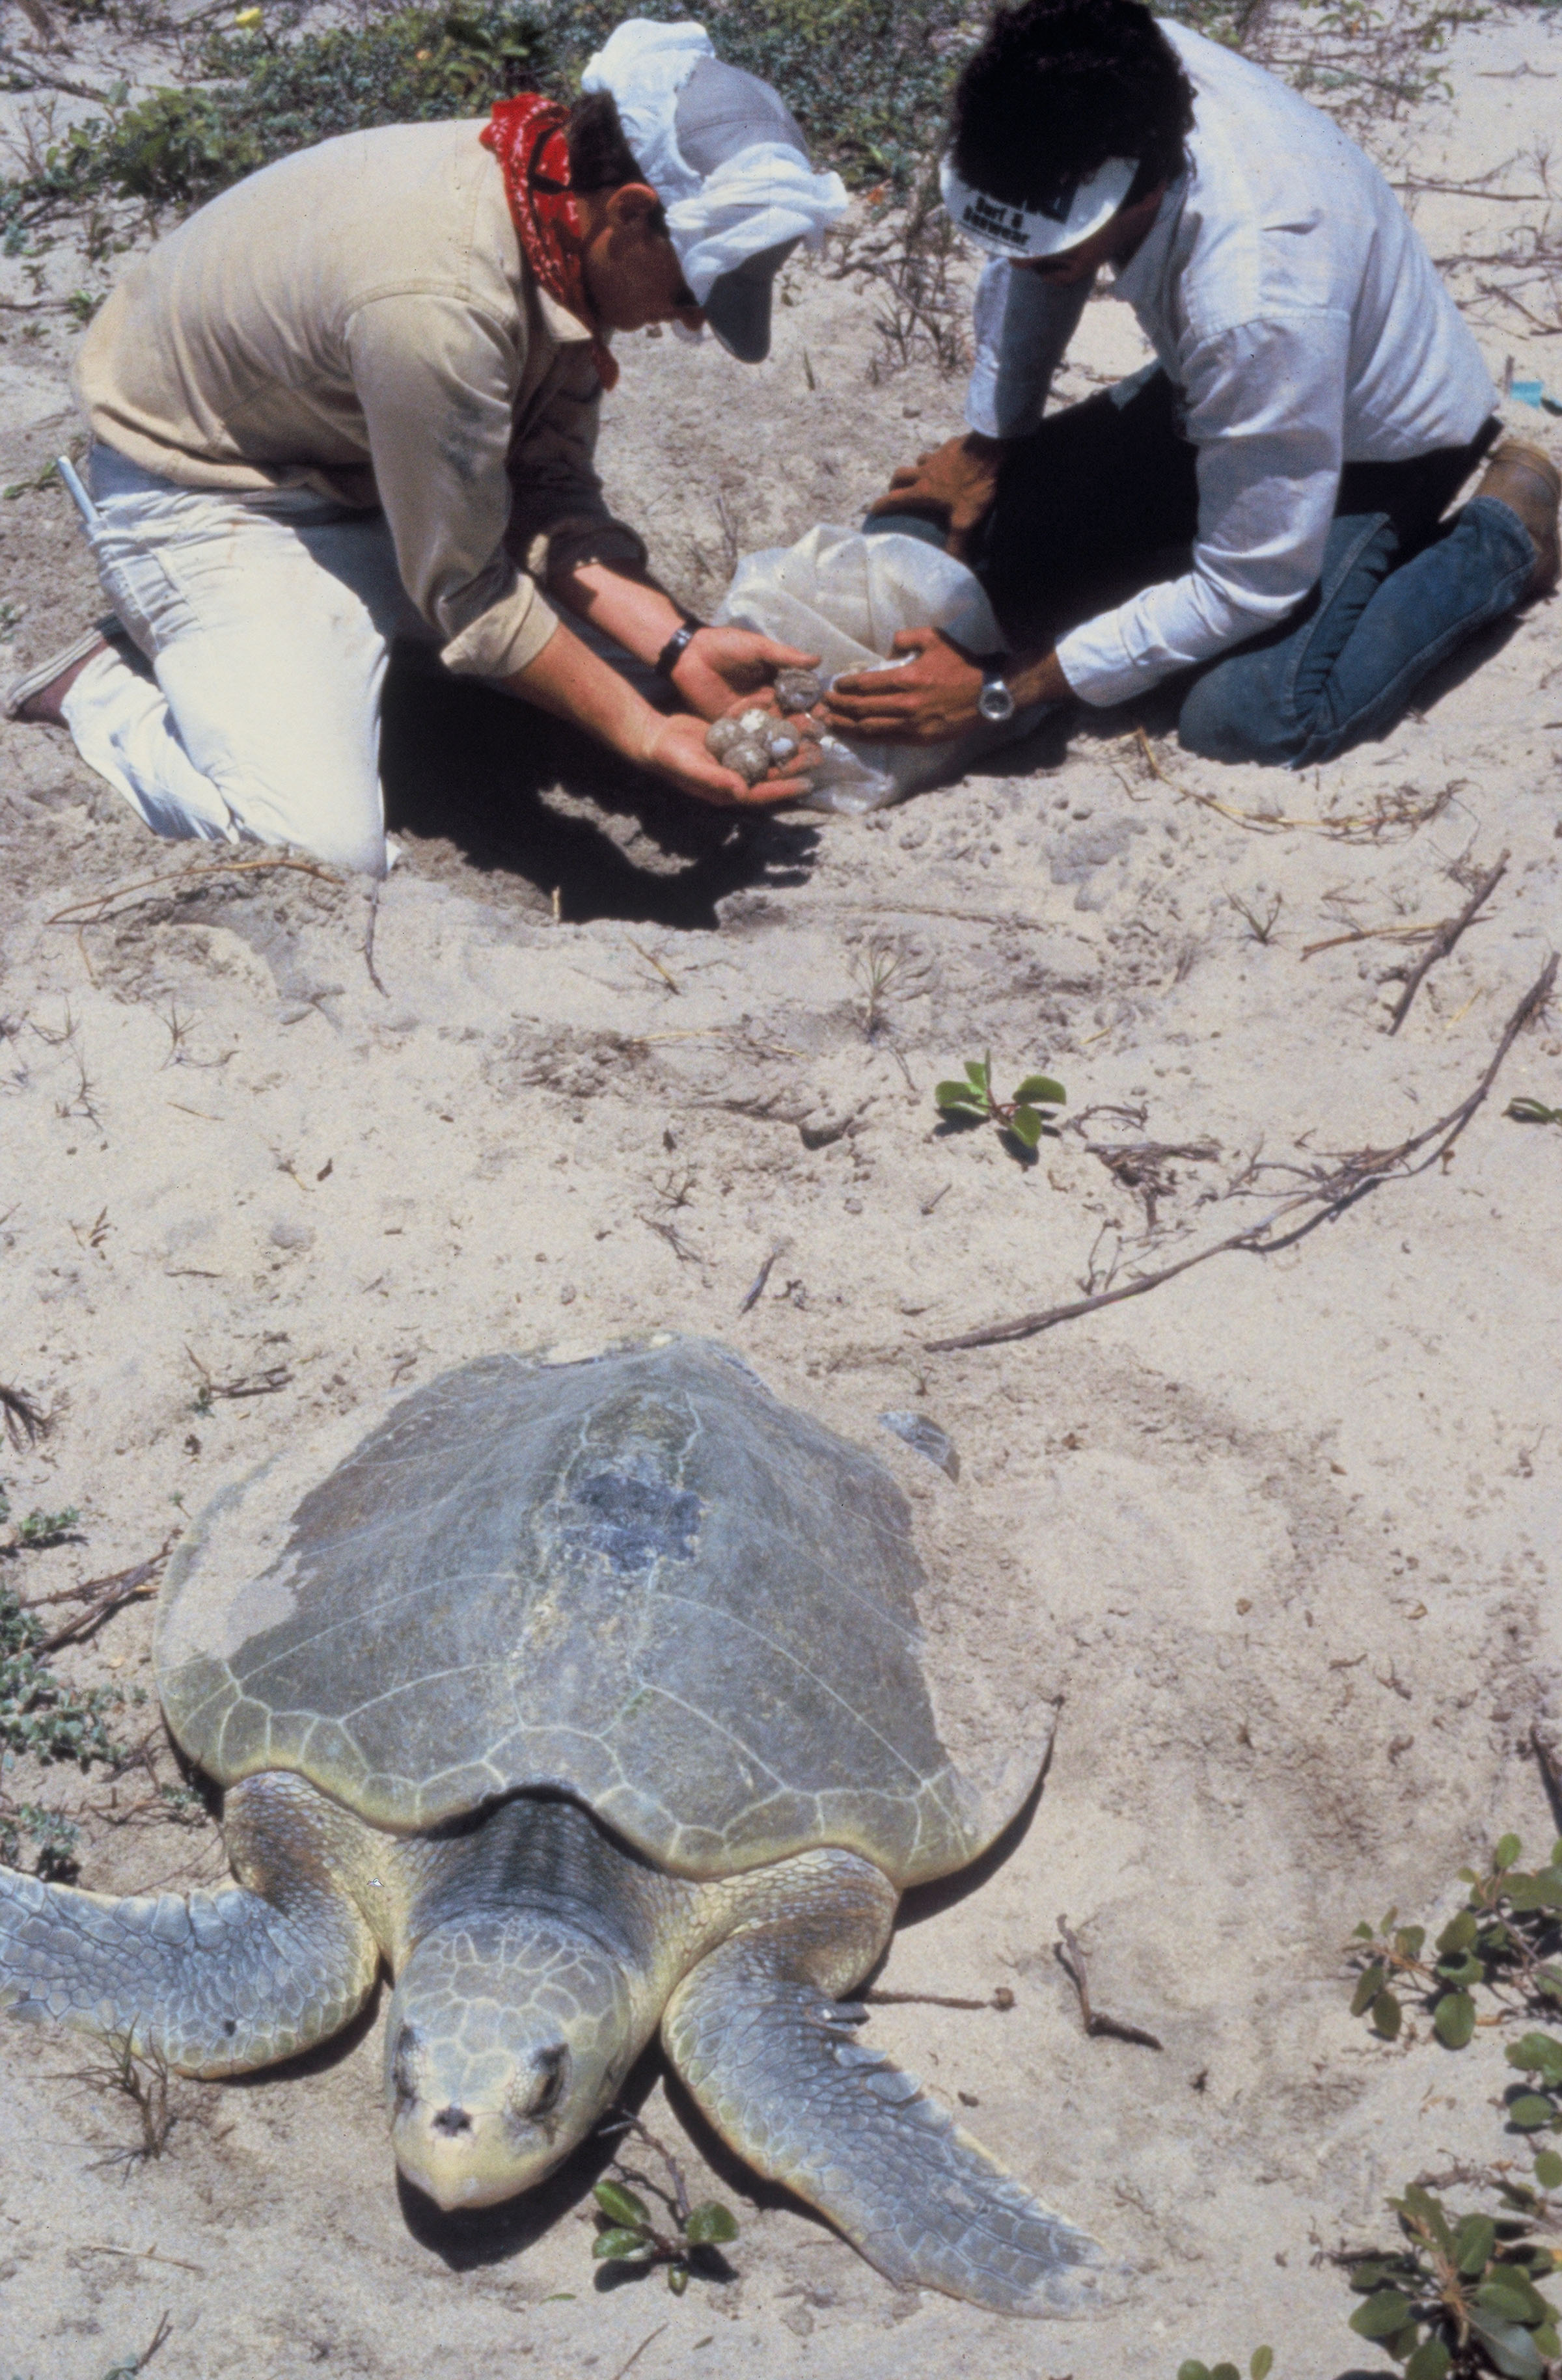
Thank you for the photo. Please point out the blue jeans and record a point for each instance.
(1344, 664)
(1085, 508)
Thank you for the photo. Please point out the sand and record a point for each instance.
(1279, 1535)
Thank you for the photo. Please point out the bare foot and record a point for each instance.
(45, 707)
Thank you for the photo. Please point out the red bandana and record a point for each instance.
(528, 137)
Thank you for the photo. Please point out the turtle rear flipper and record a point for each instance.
(775, 2066)
(214, 1984)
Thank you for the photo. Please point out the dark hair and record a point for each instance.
(600, 157)
(1057, 87)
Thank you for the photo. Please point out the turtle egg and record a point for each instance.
(755, 723)
(722, 735)
(781, 747)
(749, 759)
(798, 689)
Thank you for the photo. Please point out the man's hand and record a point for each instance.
(925, 703)
(674, 749)
(718, 665)
(954, 485)
(933, 696)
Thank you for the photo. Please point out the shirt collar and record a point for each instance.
(563, 327)
(1146, 268)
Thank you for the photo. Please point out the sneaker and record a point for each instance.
(37, 696)
(1525, 479)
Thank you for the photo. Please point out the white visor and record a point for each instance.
(1073, 211)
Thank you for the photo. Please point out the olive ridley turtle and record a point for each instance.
(589, 1696)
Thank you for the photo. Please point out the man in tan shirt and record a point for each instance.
(355, 399)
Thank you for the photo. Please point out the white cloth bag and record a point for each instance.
(843, 596)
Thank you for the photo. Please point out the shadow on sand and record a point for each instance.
(524, 797)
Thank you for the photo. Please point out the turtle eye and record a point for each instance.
(404, 2065)
(549, 2071)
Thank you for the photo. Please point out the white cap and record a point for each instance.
(723, 154)
(1072, 211)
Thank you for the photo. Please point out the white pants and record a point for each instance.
(267, 624)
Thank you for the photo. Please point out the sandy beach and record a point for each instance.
(1279, 1538)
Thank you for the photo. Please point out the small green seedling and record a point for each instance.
(627, 2233)
(1025, 1115)
(1504, 1940)
(1531, 1112)
(41, 1529)
(1260, 2367)
(127, 2368)
(1459, 2297)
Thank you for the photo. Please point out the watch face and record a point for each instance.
(995, 702)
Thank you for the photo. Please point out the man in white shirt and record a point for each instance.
(1316, 403)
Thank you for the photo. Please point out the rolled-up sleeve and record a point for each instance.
(437, 380)
(1021, 328)
(1265, 408)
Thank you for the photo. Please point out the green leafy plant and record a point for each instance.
(47, 1528)
(1259, 2368)
(1536, 2107)
(1531, 1112)
(52, 1836)
(1024, 1116)
(628, 2234)
(38, 1713)
(1504, 1940)
(1460, 2296)
(868, 80)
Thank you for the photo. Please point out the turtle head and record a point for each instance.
(506, 2039)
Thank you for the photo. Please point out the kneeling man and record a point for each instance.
(355, 399)
(1316, 403)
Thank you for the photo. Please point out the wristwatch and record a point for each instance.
(994, 702)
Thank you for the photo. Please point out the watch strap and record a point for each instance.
(677, 644)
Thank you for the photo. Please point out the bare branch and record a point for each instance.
(1444, 940)
(1329, 1194)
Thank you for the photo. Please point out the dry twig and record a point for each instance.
(1443, 942)
(755, 1289)
(24, 1419)
(100, 903)
(1071, 1959)
(369, 925)
(1330, 1191)
(1368, 934)
(265, 1383)
(105, 1595)
(668, 977)
(649, 2340)
(1002, 2000)
(670, 1232)
(1145, 1166)
(142, 2077)
(50, 81)
(1408, 809)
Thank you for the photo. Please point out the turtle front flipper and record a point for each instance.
(775, 2063)
(214, 1984)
